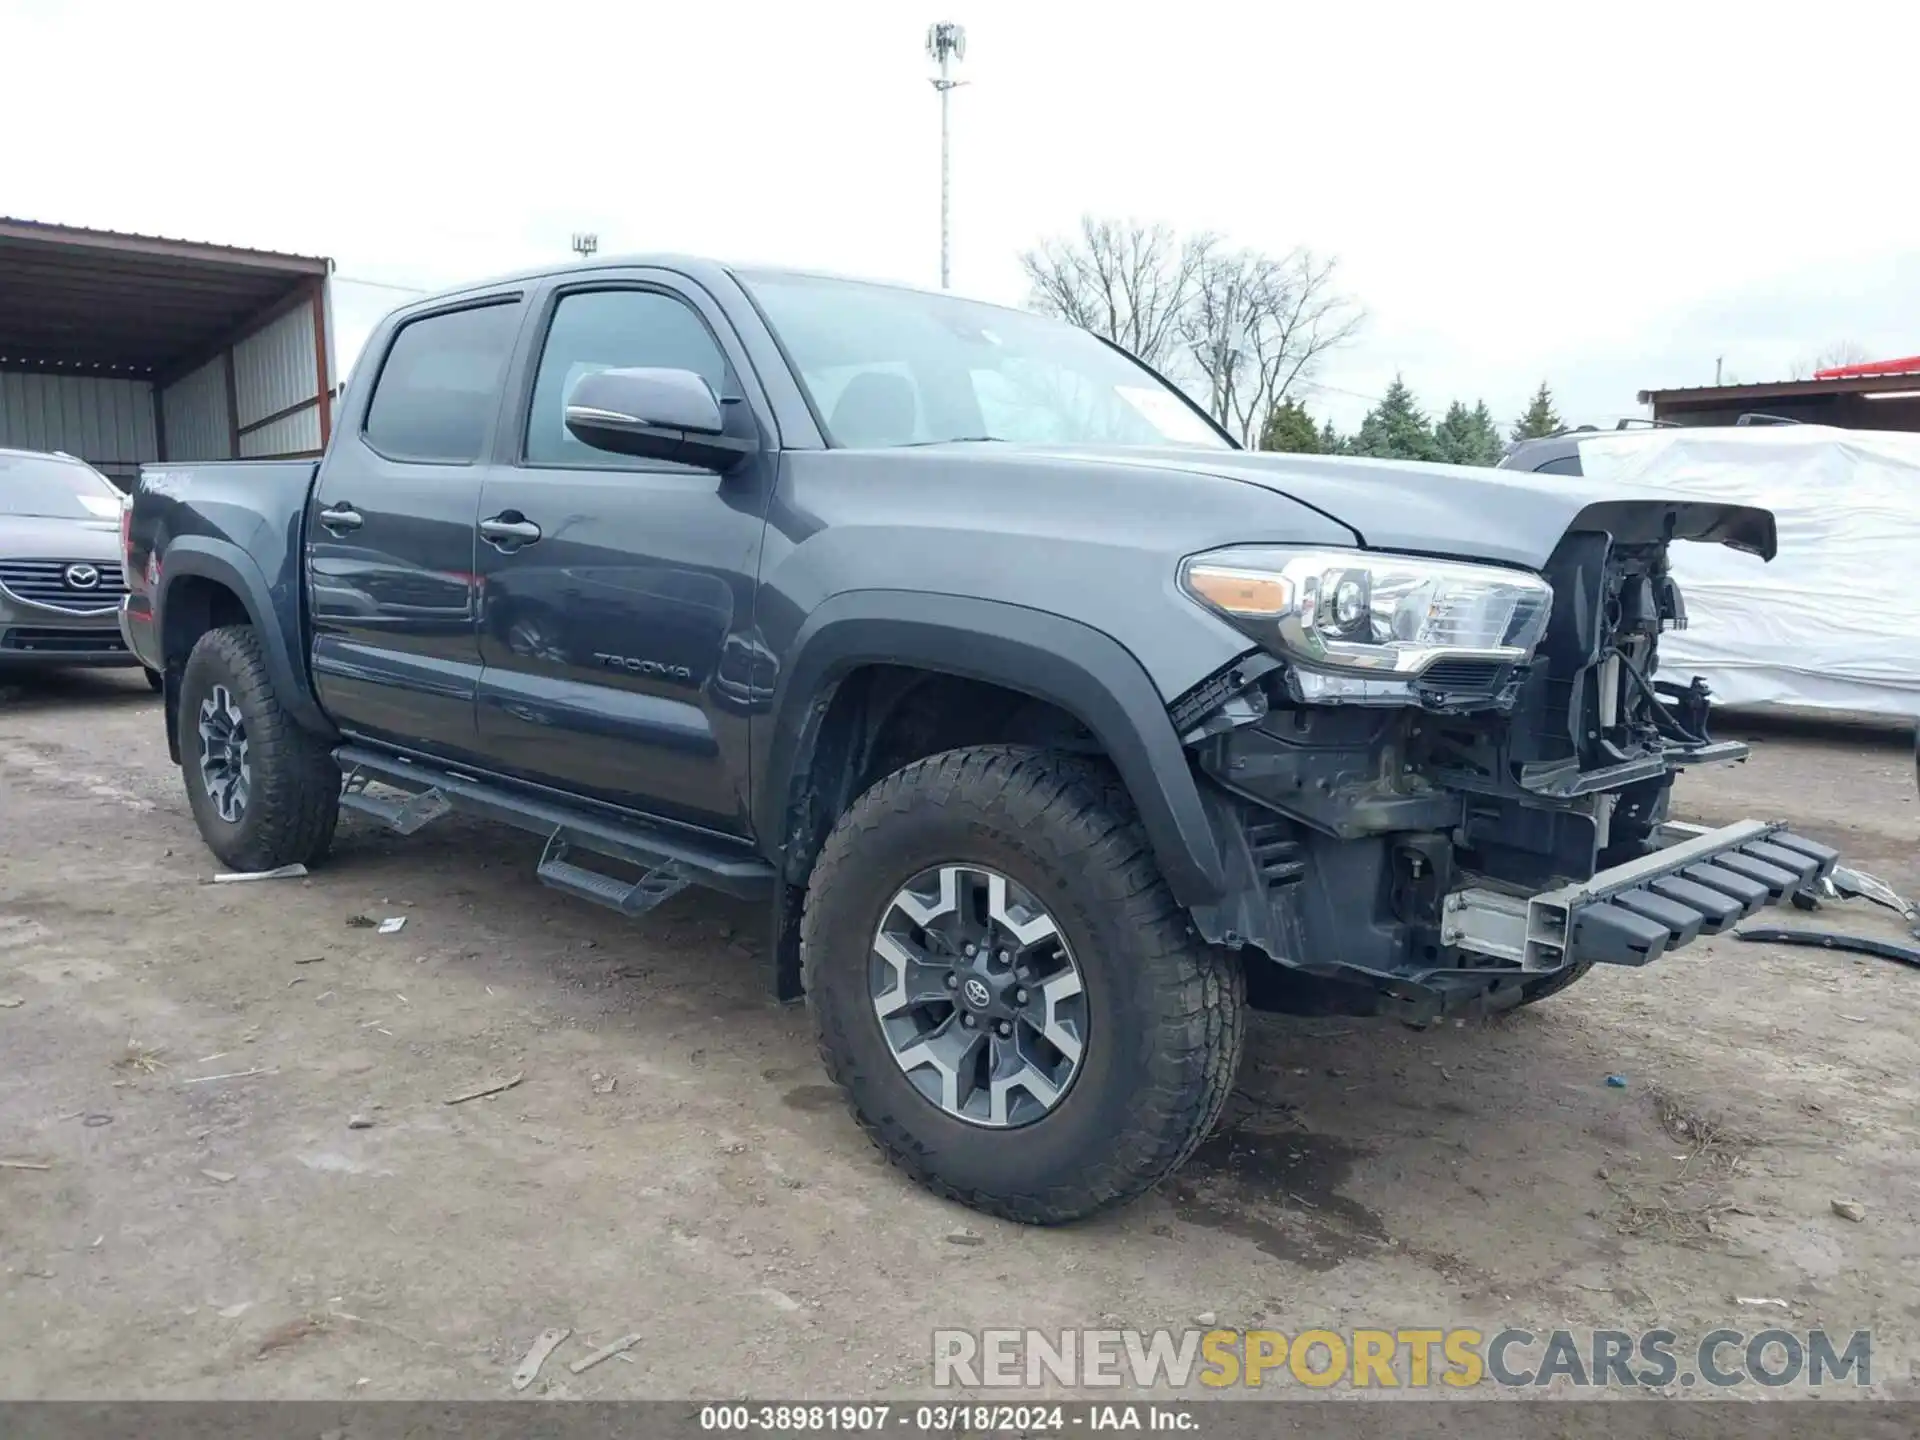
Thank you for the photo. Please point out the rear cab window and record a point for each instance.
(439, 388)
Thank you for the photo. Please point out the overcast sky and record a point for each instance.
(1604, 195)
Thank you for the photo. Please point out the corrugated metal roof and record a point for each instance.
(54, 230)
(103, 302)
(1780, 389)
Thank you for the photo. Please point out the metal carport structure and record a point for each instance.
(123, 348)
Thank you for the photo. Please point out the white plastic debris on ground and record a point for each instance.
(1833, 622)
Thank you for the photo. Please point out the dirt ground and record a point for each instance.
(673, 1165)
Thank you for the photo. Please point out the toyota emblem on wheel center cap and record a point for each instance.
(82, 577)
(977, 993)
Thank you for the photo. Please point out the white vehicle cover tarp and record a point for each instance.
(1833, 621)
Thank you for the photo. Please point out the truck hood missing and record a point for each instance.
(1464, 512)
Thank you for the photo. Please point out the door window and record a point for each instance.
(440, 385)
(598, 330)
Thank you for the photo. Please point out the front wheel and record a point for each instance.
(263, 791)
(1017, 1009)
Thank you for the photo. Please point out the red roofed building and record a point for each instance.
(1876, 395)
(1906, 366)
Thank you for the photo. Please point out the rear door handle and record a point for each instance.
(341, 518)
(508, 531)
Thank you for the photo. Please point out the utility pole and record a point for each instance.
(946, 43)
(585, 243)
(1716, 368)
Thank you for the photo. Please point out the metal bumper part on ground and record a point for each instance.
(1699, 882)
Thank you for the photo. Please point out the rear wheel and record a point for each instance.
(1016, 1007)
(263, 791)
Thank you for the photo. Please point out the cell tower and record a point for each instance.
(946, 45)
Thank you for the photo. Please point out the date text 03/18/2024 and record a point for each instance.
(946, 1418)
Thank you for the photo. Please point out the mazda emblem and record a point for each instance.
(83, 577)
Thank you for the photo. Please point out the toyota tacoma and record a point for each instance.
(1054, 730)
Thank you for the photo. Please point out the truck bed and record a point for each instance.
(237, 524)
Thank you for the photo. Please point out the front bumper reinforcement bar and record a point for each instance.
(1699, 882)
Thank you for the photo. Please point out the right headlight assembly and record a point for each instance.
(1372, 616)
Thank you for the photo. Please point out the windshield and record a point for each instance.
(887, 366)
(58, 489)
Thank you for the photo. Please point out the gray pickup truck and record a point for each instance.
(1053, 729)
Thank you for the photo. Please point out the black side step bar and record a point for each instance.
(629, 897)
(670, 859)
(414, 812)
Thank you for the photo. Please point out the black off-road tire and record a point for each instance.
(293, 802)
(1165, 1011)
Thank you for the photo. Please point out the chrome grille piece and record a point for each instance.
(79, 587)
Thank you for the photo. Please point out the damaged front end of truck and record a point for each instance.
(1442, 787)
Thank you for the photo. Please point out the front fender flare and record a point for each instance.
(225, 563)
(1083, 671)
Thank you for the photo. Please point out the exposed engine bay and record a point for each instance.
(1353, 830)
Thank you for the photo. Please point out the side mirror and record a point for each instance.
(656, 415)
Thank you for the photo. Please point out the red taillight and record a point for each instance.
(126, 542)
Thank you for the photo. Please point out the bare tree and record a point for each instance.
(1844, 352)
(1118, 278)
(1841, 352)
(1258, 325)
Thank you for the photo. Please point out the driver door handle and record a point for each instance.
(508, 531)
(340, 518)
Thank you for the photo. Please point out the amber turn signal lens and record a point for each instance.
(1249, 593)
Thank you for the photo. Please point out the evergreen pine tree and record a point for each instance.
(1289, 427)
(1489, 446)
(1454, 437)
(1469, 437)
(1396, 428)
(1539, 418)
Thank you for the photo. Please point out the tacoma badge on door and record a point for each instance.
(643, 667)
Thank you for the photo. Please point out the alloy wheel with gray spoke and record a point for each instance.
(978, 995)
(1016, 1007)
(264, 792)
(224, 770)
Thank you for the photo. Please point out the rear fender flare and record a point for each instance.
(1083, 671)
(226, 564)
